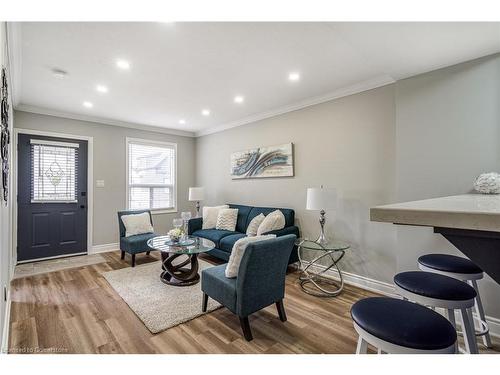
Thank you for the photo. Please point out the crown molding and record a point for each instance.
(370, 84)
(101, 120)
(14, 52)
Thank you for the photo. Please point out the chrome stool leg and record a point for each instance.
(483, 325)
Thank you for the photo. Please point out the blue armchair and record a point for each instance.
(260, 281)
(133, 244)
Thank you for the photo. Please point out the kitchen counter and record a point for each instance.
(471, 222)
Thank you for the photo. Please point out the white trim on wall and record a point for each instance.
(104, 248)
(337, 94)
(90, 180)
(101, 120)
(369, 84)
(388, 290)
(6, 324)
(148, 142)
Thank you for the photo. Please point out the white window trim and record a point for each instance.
(148, 142)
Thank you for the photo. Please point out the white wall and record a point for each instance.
(6, 262)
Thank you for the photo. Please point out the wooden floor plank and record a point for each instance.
(76, 311)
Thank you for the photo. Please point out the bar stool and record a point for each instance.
(434, 290)
(465, 270)
(401, 327)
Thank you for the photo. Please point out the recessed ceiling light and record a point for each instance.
(87, 104)
(182, 121)
(59, 73)
(239, 99)
(205, 112)
(294, 76)
(123, 64)
(101, 88)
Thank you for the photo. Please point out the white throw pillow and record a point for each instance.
(239, 247)
(274, 221)
(137, 224)
(210, 215)
(254, 225)
(226, 220)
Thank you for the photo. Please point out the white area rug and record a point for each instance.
(158, 305)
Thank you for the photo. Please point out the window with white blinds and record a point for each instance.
(53, 171)
(151, 175)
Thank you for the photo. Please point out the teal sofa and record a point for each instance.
(224, 239)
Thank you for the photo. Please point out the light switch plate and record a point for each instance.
(99, 183)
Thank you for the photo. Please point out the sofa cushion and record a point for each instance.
(227, 219)
(274, 221)
(214, 235)
(137, 224)
(227, 242)
(136, 244)
(254, 224)
(288, 213)
(233, 265)
(210, 215)
(241, 222)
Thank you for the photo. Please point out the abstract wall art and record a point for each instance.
(263, 162)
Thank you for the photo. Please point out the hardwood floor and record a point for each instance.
(76, 311)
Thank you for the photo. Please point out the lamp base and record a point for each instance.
(322, 220)
(198, 209)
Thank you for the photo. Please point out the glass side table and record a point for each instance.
(325, 257)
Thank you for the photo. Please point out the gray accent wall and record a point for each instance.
(110, 164)
(422, 137)
(447, 133)
(347, 144)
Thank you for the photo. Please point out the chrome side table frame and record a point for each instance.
(325, 286)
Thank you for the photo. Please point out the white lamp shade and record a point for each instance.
(196, 194)
(321, 199)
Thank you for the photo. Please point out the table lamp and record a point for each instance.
(321, 199)
(196, 194)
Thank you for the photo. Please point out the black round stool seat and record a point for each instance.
(436, 286)
(403, 323)
(449, 263)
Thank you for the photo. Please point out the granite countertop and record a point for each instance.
(467, 211)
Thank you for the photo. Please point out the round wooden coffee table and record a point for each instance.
(178, 271)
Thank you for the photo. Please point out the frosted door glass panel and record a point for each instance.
(53, 173)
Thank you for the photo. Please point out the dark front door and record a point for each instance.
(52, 197)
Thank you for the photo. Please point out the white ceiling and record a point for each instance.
(177, 69)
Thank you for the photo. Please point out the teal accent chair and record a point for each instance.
(134, 244)
(260, 281)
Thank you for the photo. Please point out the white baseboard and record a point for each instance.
(387, 289)
(107, 247)
(6, 325)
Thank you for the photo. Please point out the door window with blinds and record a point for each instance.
(54, 171)
(151, 175)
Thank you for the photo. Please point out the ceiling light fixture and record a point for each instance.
(294, 76)
(239, 99)
(102, 89)
(87, 104)
(182, 121)
(205, 112)
(123, 64)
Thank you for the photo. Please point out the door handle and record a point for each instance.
(82, 206)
